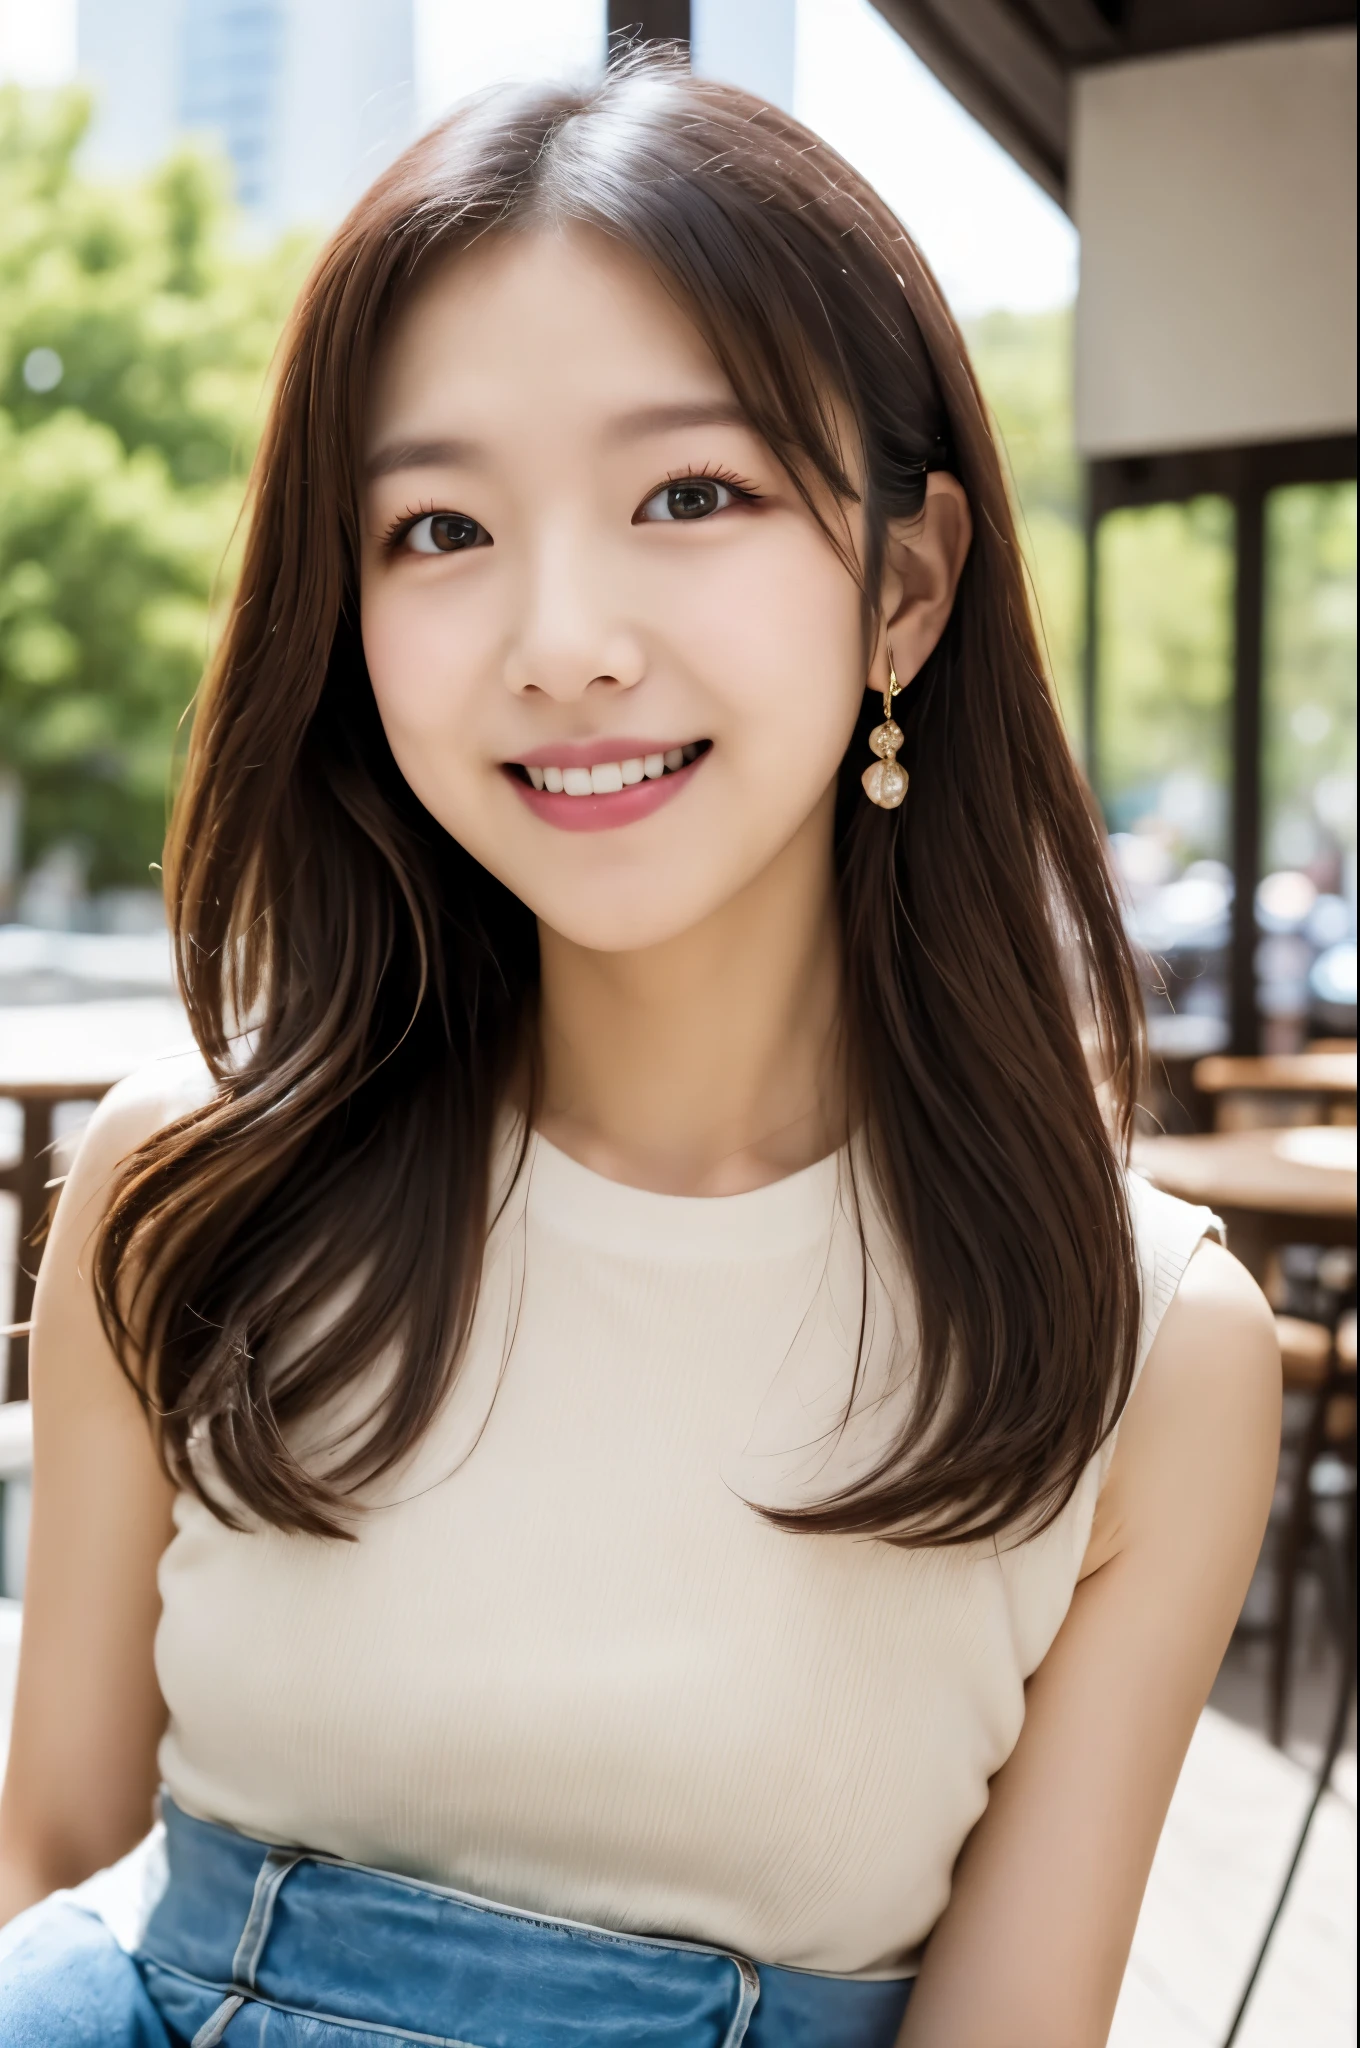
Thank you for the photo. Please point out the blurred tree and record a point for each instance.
(1309, 752)
(135, 336)
(1024, 364)
(1165, 672)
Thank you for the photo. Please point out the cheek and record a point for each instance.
(423, 667)
(779, 635)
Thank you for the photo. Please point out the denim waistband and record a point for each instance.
(246, 1933)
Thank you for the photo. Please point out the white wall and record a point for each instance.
(1215, 197)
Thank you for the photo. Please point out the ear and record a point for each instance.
(922, 563)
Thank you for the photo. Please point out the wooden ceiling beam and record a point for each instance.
(1001, 69)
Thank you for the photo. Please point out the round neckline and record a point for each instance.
(576, 1202)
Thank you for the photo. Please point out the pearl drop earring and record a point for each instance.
(885, 782)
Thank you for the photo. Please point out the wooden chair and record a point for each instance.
(1341, 1413)
(16, 1479)
(1322, 1366)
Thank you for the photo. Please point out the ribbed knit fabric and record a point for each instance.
(567, 1667)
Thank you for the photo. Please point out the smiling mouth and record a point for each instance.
(585, 793)
(607, 778)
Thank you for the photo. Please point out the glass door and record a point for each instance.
(1305, 904)
(1163, 717)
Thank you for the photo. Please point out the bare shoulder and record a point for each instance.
(155, 1095)
(1199, 1440)
(1215, 1361)
(134, 1110)
(1218, 1312)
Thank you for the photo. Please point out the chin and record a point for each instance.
(623, 921)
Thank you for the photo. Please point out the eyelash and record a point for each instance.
(712, 472)
(401, 526)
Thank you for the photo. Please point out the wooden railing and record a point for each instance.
(30, 1177)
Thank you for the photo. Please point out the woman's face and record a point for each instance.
(613, 652)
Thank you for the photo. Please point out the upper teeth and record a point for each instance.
(605, 777)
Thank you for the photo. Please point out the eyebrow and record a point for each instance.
(424, 455)
(626, 426)
(656, 419)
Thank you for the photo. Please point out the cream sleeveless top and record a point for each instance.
(567, 1667)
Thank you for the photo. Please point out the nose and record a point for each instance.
(570, 635)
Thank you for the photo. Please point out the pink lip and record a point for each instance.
(601, 813)
(589, 753)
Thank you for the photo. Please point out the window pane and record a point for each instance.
(1163, 736)
(1305, 961)
(1024, 364)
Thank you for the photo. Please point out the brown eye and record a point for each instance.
(446, 533)
(692, 500)
(689, 497)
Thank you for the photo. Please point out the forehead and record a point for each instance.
(557, 324)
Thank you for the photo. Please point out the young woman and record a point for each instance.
(623, 1446)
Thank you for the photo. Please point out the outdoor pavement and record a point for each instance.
(1223, 1854)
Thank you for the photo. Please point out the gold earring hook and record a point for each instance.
(894, 688)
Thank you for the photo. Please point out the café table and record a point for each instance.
(1302, 1073)
(1319, 1085)
(1271, 1187)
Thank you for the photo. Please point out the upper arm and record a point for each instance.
(81, 1774)
(1048, 1889)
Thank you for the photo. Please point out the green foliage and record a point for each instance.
(120, 485)
(1024, 364)
(1165, 664)
(1309, 753)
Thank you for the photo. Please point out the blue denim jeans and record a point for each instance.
(256, 1947)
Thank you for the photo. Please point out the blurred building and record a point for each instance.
(309, 98)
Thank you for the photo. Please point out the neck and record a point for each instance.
(706, 1065)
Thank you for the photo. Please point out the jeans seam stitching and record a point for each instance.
(225, 1991)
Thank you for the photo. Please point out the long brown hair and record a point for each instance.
(389, 981)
